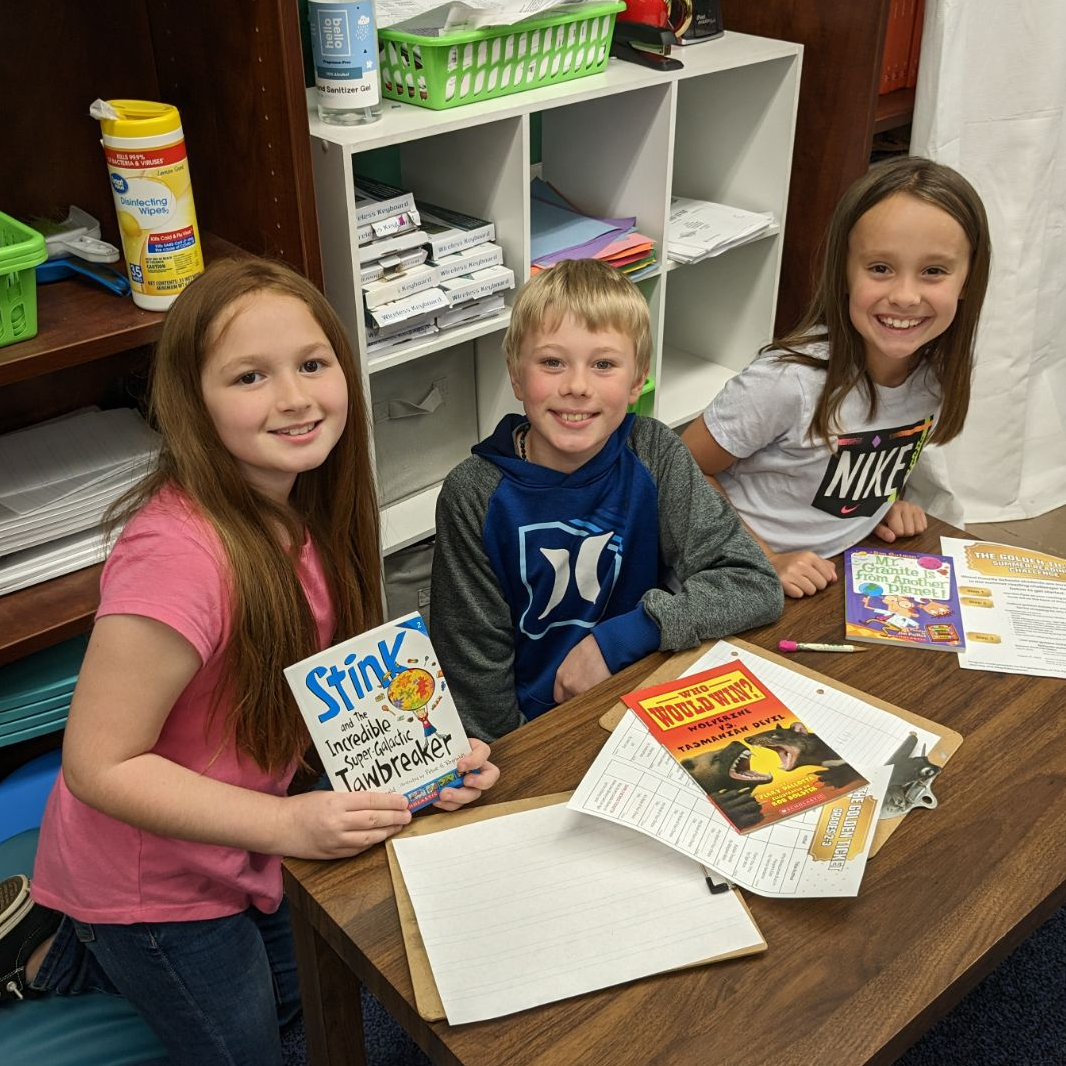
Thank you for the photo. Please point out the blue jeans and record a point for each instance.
(213, 991)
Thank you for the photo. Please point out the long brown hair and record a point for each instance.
(950, 356)
(272, 624)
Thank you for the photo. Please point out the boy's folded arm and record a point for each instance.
(727, 583)
(469, 620)
(627, 637)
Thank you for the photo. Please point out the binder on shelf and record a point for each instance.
(468, 260)
(387, 289)
(451, 231)
(375, 200)
(486, 307)
(481, 283)
(915, 52)
(896, 55)
(410, 309)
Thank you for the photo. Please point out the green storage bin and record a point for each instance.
(645, 403)
(474, 65)
(21, 249)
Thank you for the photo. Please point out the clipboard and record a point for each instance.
(427, 998)
(676, 665)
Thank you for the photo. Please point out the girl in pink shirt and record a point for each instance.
(252, 545)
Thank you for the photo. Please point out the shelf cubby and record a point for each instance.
(617, 144)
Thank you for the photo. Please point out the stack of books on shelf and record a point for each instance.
(903, 46)
(59, 479)
(35, 691)
(424, 268)
(700, 229)
(558, 231)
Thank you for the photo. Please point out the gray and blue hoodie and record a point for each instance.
(634, 547)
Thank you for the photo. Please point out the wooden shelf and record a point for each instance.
(45, 614)
(894, 109)
(79, 322)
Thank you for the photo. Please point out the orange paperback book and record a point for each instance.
(755, 760)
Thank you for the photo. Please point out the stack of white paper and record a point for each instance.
(562, 905)
(700, 229)
(59, 478)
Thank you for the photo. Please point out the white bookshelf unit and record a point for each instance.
(620, 143)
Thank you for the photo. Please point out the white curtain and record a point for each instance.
(991, 102)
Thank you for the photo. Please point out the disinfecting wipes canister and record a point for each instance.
(149, 174)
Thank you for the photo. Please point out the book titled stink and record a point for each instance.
(909, 599)
(755, 760)
(380, 714)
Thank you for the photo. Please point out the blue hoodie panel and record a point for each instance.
(569, 551)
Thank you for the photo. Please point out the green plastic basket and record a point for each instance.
(21, 249)
(467, 67)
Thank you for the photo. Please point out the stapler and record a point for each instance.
(642, 34)
(75, 250)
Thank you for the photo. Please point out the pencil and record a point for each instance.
(792, 645)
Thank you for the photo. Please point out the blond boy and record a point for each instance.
(578, 538)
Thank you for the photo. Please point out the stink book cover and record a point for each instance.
(755, 760)
(909, 599)
(380, 714)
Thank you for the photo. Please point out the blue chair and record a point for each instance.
(87, 1030)
(23, 794)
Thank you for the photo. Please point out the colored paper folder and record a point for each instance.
(559, 231)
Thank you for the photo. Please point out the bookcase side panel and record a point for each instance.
(610, 156)
(719, 312)
(335, 204)
(734, 135)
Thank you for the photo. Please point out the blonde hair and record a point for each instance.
(594, 294)
(828, 319)
(272, 623)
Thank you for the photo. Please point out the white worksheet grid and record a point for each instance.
(635, 782)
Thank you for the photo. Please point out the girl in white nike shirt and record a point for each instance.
(814, 441)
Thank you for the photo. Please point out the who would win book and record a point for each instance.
(755, 760)
(909, 599)
(380, 714)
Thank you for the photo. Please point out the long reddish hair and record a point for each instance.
(272, 625)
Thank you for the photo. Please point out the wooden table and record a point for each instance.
(845, 982)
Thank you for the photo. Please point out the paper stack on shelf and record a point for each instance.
(423, 267)
(35, 691)
(558, 231)
(60, 477)
(472, 274)
(31, 566)
(700, 229)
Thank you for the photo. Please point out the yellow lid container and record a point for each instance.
(144, 146)
(139, 119)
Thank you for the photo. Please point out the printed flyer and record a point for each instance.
(1013, 607)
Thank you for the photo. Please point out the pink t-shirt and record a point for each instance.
(169, 565)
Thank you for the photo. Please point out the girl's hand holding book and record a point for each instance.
(336, 825)
(479, 775)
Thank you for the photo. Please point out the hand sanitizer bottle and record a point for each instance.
(344, 44)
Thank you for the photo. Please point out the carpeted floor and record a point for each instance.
(1017, 1014)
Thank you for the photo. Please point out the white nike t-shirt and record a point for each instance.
(797, 493)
